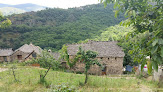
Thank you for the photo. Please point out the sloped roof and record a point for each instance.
(56, 55)
(29, 48)
(28, 55)
(6, 52)
(103, 48)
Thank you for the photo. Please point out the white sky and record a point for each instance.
(52, 3)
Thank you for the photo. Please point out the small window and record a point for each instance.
(19, 57)
(101, 57)
(34, 55)
(115, 58)
(108, 58)
(5, 58)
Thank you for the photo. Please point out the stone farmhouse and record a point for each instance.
(25, 52)
(5, 54)
(110, 55)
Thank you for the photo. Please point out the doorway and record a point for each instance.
(104, 70)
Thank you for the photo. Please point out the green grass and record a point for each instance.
(29, 78)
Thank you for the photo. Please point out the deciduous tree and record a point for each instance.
(88, 58)
(4, 22)
(147, 17)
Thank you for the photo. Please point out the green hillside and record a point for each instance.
(51, 28)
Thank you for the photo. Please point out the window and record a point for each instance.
(115, 58)
(34, 55)
(19, 57)
(108, 58)
(5, 58)
(101, 57)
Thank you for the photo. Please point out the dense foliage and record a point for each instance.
(113, 33)
(147, 18)
(51, 28)
(4, 22)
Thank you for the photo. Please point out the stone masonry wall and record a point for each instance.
(14, 56)
(2, 58)
(114, 65)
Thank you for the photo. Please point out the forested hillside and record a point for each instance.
(51, 28)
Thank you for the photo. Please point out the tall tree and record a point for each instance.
(88, 58)
(146, 17)
(46, 60)
(65, 56)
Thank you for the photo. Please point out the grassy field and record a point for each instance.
(29, 77)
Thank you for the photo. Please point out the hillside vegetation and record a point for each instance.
(51, 28)
(113, 33)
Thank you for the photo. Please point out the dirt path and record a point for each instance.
(3, 69)
(123, 77)
(144, 88)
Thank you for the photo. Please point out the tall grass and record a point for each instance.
(29, 78)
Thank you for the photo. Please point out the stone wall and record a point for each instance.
(29, 57)
(114, 65)
(2, 58)
(15, 55)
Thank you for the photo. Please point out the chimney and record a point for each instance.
(50, 50)
(30, 43)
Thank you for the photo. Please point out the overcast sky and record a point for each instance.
(53, 3)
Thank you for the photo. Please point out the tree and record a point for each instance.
(45, 60)
(146, 16)
(4, 22)
(65, 56)
(88, 58)
(12, 68)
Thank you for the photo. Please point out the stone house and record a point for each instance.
(26, 52)
(5, 55)
(110, 55)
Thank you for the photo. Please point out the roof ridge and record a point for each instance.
(21, 46)
(102, 41)
(77, 43)
(6, 49)
(88, 42)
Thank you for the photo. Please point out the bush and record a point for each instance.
(28, 62)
